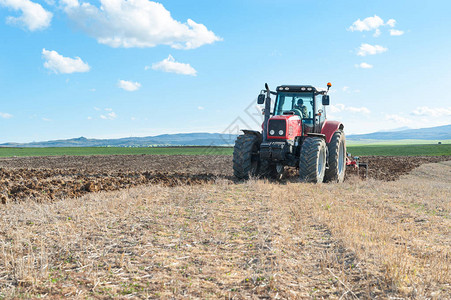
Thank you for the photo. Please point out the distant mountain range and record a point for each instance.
(218, 139)
(180, 139)
(432, 133)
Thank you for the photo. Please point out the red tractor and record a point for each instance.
(295, 133)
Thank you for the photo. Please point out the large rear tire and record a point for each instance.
(336, 158)
(312, 161)
(246, 156)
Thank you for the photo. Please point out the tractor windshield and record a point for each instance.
(300, 104)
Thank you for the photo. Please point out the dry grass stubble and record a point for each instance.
(257, 239)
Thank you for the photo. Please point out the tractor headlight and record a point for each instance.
(271, 132)
(280, 132)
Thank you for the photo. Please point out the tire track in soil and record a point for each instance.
(337, 270)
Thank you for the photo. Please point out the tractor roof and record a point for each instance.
(300, 88)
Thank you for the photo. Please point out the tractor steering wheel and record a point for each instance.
(297, 112)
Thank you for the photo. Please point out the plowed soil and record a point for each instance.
(49, 178)
(390, 168)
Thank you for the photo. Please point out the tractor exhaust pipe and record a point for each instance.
(267, 113)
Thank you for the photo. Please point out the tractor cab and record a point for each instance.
(302, 101)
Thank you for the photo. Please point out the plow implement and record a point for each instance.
(354, 162)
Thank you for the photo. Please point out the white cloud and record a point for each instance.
(377, 33)
(395, 32)
(5, 115)
(367, 49)
(34, 16)
(129, 85)
(374, 23)
(111, 116)
(335, 108)
(398, 119)
(200, 108)
(96, 108)
(89, 118)
(391, 23)
(364, 65)
(339, 107)
(368, 24)
(422, 117)
(363, 110)
(432, 112)
(171, 66)
(345, 88)
(137, 23)
(63, 65)
(108, 109)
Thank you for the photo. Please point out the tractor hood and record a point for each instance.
(285, 127)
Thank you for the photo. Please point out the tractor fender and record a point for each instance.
(329, 128)
(254, 132)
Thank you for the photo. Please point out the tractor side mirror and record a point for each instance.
(326, 100)
(261, 99)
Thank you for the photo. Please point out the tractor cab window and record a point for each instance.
(300, 104)
(320, 111)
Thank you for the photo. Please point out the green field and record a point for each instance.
(351, 142)
(356, 150)
(400, 150)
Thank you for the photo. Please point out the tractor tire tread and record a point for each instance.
(242, 155)
(308, 160)
(332, 173)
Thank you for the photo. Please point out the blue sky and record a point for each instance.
(117, 68)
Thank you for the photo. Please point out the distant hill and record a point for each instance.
(395, 129)
(181, 139)
(432, 133)
(218, 139)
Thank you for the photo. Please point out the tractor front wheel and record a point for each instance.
(312, 161)
(337, 158)
(246, 156)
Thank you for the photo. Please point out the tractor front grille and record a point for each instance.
(277, 128)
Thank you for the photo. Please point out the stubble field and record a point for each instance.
(181, 227)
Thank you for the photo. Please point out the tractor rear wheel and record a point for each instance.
(336, 158)
(312, 161)
(246, 156)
